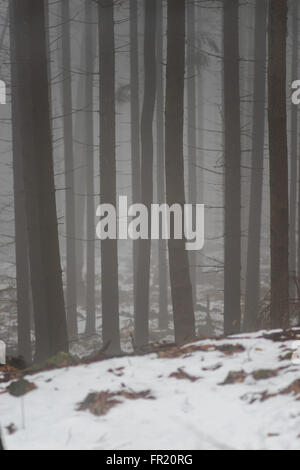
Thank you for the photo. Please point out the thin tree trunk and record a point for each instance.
(161, 185)
(135, 126)
(200, 140)
(144, 246)
(278, 163)
(48, 44)
(80, 169)
(192, 140)
(32, 95)
(109, 248)
(294, 159)
(21, 241)
(71, 295)
(232, 267)
(89, 142)
(1, 442)
(257, 171)
(182, 296)
(246, 38)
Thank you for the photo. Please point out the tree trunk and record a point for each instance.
(278, 164)
(232, 266)
(109, 248)
(192, 141)
(1, 443)
(144, 246)
(294, 159)
(32, 95)
(89, 151)
(257, 170)
(21, 240)
(161, 185)
(80, 170)
(135, 127)
(182, 296)
(200, 141)
(71, 295)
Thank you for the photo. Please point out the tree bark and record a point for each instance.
(294, 158)
(278, 164)
(161, 184)
(71, 294)
(1, 442)
(80, 170)
(232, 266)
(135, 127)
(144, 246)
(200, 141)
(191, 122)
(109, 248)
(21, 240)
(257, 170)
(182, 296)
(89, 153)
(32, 94)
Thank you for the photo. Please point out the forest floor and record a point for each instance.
(209, 297)
(240, 392)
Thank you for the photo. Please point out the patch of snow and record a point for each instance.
(203, 414)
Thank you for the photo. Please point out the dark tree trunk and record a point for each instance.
(144, 246)
(32, 95)
(294, 158)
(182, 296)
(278, 164)
(48, 45)
(200, 141)
(192, 141)
(135, 126)
(21, 240)
(89, 146)
(161, 185)
(1, 442)
(109, 248)
(257, 171)
(71, 296)
(232, 267)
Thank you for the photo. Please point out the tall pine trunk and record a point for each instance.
(161, 185)
(135, 126)
(108, 177)
(278, 163)
(21, 240)
(89, 146)
(232, 266)
(32, 97)
(144, 246)
(182, 295)
(80, 166)
(191, 114)
(200, 139)
(71, 294)
(257, 165)
(294, 158)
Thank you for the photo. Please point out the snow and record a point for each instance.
(203, 414)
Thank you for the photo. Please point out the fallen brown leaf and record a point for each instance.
(180, 374)
(235, 377)
(100, 403)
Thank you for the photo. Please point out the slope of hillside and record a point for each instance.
(241, 392)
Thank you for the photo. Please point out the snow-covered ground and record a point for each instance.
(193, 409)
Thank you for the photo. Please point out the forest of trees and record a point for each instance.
(176, 101)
